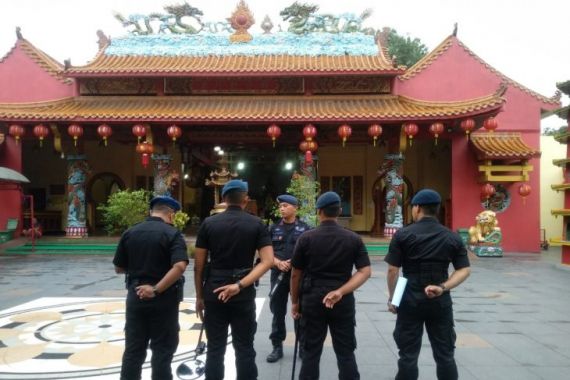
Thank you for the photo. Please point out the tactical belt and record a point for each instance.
(236, 273)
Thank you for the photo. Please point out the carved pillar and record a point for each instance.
(77, 171)
(394, 181)
(165, 179)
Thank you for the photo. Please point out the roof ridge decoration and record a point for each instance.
(241, 20)
(46, 62)
(431, 57)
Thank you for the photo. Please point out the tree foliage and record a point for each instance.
(305, 189)
(407, 50)
(549, 131)
(124, 209)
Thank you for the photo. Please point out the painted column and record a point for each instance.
(392, 170)
(77, 171)
(165, 179)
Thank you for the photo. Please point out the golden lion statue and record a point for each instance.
(486, 230)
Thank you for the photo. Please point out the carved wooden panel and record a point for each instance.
(117, 86)
(352, 85)
(177, 86)
(342, 186)
(325, 184)
(357, 194)
(232, 85)
(291, 86)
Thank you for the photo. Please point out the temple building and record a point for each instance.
(155, 111)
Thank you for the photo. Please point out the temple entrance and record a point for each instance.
(379, 198)
(99, 188)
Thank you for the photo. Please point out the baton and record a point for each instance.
(296, 349)
(277, 282)
(194, 367)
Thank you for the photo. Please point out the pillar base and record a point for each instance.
(565, 256)
(486, 250)
(76, 232)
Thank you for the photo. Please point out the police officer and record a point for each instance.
(225, 296)
(154, 256)
(424, 250)
(284, 235)
(322, 266)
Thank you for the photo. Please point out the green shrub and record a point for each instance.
(305, 189)
(180, 220)
(124, 209)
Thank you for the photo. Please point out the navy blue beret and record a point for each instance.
(164, 200)
(426, 197)
(286, 198)
(327, 199)
(234, 184)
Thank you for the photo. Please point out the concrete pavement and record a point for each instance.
(512, 315)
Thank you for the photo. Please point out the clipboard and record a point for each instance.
(399, 291)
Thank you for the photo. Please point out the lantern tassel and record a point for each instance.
(411, 141)
(435, 140)
(343, 142)
(273, 140)
(374, 141)
(105, 141)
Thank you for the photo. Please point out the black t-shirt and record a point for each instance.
(329, 252)
(148, 250)
(232, 237)
(426, 241)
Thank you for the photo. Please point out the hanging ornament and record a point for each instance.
(490, 124)
(174, 132)
(75, 131)
(487, 191)
(105, 132)
(274, 132)
(467, 125)
(436, 129)
(41, 131)
(344, 132)
(524, 191)
(145, 149)
(411, 129)
(308, 158)
(140, 131)
(310, 132)
(374, 131)
(16, 131)
(308, 147)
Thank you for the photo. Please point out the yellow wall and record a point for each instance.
(426, 165)
(45, 167)
(550, 174)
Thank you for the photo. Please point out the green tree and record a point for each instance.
(554, 131)
(407, 50)
(124, 209)
(305, 189)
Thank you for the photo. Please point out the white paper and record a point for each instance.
(399, 291)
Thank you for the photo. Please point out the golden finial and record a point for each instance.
(241, 20)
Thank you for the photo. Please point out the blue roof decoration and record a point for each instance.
(218, 44)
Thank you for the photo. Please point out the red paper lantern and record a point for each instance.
(310, 132)
(374, 131)
(308, 158)
(41, 131)
(490, 124)
(308, 145)
(139, 130)
(487, 191)
(411, 129)
(174, 132)
(274, 132)
(16, 131)
(75, 131)
(105, 132)
(524, 191)
(436, 129)
(344, 132)
(467, 125)
(145, 149)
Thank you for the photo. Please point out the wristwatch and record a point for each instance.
(239, 284)
(155, 290)
(443, 287)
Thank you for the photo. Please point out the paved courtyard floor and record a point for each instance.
(512, 320)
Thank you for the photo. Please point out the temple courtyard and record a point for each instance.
(61, 317)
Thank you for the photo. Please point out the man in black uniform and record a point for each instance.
(323, 262)
(225, 296)
(424, 250)
(154, 256)
(284, 235)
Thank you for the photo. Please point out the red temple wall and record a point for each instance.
(456, 75)
(10, 194)
(23, 80)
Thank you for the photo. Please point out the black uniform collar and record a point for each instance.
(234, 208)
(428, 219)
(154, 219)
(328, 223)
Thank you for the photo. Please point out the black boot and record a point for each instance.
(276, 354)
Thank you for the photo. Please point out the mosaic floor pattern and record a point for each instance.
(82, 338)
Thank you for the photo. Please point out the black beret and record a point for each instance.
(234, 184)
